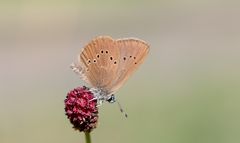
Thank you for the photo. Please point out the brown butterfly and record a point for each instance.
(106, 64)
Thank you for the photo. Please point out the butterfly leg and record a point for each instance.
(95, 98)
(100, 102)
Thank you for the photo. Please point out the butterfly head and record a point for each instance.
(111, 98)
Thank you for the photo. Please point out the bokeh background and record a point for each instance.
(187, 91)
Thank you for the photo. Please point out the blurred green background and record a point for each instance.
(187, 91)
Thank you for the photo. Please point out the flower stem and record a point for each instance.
(87, 137)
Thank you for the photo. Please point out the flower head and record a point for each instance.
(81, 110)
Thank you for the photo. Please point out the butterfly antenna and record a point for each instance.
(121, 109)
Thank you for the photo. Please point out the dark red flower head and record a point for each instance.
(80, 110)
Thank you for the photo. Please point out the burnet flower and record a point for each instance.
(81, 110)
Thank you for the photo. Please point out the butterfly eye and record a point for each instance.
(98, 56)
(89, 61)
(111, 58)
(106, 52)
(115, 62)
(102, 52)
(124, 58)
(94, 61)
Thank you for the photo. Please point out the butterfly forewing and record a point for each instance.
(99, 57)
(106, 63)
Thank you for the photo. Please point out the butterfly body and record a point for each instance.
(106, 64)
(101, 96)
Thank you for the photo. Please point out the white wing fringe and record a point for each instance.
(79, 70)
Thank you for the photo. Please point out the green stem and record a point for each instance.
(87, 137)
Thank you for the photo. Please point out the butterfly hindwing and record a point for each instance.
(132, 54)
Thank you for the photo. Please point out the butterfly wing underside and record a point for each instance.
(106, 64)
(132, 54)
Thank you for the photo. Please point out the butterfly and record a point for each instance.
(106, 64)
